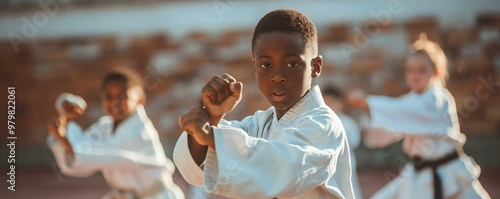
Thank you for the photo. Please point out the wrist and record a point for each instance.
(214, 120)
(197, 150)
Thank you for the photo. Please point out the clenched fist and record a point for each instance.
(221, 94)
(196, 123)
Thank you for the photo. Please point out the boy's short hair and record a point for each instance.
(290, 21)
(124, 75)
(333, 91)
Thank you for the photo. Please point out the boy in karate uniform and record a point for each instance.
(427, 120)
(295, 149)
(123, 145)
(334, 98)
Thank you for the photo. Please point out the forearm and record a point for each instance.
(214, 120)
(58, 130)
(66, 164)
(198, 151)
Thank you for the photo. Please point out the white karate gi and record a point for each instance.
(305, 154)
(131, 159)
(354, 138)
(429, 123)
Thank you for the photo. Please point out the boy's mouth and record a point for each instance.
(117, 111)
(278, 96)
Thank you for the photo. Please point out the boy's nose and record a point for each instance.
(278, 78)
(115, 102)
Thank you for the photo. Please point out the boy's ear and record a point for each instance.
(316, 65)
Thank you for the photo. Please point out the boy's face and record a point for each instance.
(419, 72)
(119, 101)
(284, 68)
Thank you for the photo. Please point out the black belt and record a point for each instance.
(420, 164)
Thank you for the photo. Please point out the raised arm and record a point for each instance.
(91, 157)
(189, 155)
(429, 114)
(220, 95)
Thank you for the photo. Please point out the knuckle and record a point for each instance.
(222, 79)
(215, 78)
(228, 76)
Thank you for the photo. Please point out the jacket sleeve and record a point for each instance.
(298, 160)
(91, 158)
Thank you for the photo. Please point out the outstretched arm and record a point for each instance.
(426, 115)
(57, 129)
(90, 157)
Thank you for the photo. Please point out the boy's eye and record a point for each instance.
(265, 65)
(292, 64)
(122, 96)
